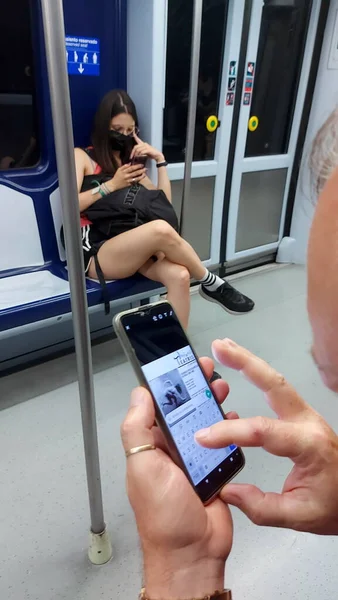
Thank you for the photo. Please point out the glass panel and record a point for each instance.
(279, 63)
(260, 208)
(197, 225)
(180, 15)
(19, 146)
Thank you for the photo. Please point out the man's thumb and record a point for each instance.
(268, 509)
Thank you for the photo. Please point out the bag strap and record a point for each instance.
(95, 165)
(103, 285)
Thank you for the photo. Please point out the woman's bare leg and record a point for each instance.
(128, 252)
(177, 281)
(125, 254)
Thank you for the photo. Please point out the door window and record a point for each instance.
(279, 63)
(260, 208)
(180, 18)
(19, 144)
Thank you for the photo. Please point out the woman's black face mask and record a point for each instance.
(120, 142)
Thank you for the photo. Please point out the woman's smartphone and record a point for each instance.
(165, 362)
(139, 160)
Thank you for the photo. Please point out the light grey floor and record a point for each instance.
(44, 510)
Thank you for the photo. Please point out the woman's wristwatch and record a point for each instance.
(162, 164)
(225, 595)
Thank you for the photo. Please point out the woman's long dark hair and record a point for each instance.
(114, 103)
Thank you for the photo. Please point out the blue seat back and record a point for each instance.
(30, 196)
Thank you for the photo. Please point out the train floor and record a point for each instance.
(44, 509)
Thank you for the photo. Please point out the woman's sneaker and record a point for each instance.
(228, 298)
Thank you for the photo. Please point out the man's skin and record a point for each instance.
(185, 545)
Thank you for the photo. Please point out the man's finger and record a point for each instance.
(272, 510)
(159, 440)
(281, 396)
(277, 437)
(232, 415)
(136, 429)
(220, 388)
(207, 365)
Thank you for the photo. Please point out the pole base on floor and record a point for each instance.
(100, 549)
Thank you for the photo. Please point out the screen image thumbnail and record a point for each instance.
(170, 391)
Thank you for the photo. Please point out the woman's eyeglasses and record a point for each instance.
(129, 132)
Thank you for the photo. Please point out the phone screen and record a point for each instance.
(139, 160)
(182, 395)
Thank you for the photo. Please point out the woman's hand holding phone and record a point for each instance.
(185, 544)
(126, 176)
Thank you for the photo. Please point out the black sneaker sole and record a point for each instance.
(228, 310)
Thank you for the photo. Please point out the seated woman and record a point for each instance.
(153, 248)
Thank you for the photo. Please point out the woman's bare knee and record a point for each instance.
(178, 275)
(164, 232)
(183, 276)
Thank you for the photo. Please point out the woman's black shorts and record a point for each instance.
(91, 243)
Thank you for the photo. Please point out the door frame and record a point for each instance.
(323, 18)
(209, 168)
(147, 87)
(245, 165)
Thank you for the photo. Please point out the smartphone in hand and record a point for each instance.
(139, 160)
(165, 362)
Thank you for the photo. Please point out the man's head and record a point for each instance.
(323, 253)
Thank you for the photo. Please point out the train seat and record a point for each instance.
(31, 289)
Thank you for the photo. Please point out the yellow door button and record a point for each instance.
(212, 123)
(253, 123)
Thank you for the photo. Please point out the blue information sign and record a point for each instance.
(83, 55)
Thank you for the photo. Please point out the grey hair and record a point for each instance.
(324, 154)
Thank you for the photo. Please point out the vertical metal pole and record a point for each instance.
(193, 91)
(54, 33)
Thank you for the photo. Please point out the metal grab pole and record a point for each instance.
(54, 32)
(193, 92)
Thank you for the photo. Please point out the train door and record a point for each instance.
(275, 70)
(254, 66)
(221, 20)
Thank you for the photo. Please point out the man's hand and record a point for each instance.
(309, 499)
(185, 544)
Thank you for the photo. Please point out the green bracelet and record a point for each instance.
(106, 189)
(101, 192)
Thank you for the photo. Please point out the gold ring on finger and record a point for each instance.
(139, 449)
